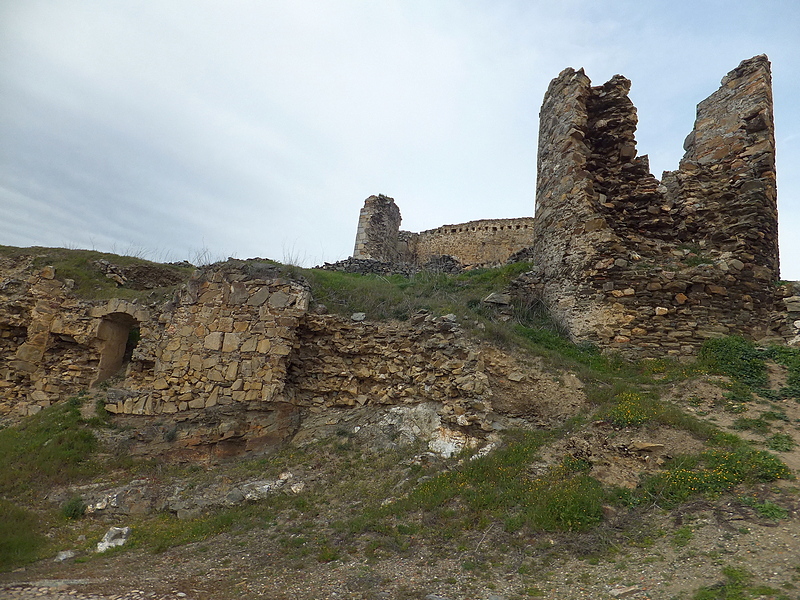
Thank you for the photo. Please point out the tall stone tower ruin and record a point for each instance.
(654, 267)
(378, 229)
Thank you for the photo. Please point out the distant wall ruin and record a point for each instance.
(486, 242)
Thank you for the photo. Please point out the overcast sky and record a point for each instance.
(200, 130)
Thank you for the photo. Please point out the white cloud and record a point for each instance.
(253, 127)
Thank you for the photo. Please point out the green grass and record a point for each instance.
(736, 357)
(766, 509)
(448, 504)
(89, 282)
(53, 447)
(781, 442)
(497, 487)
(397, 297)
(737, 586)
(727, 463)
(745, 363)
(21, 538)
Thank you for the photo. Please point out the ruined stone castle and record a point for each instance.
(627, 262)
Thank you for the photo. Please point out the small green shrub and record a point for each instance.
(781, 442)
(758, 425)
(74, 508)
(327, 554)
(736, 587)
(766, 509)
(694, 261)
(682, 536)
(711, 473)
(632, 410)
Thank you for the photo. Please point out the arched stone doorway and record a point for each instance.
(116, 335)
(119, 334)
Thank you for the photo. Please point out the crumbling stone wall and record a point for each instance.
(224, 340)
(340, 363)
(231, 361)
(48, 344)
(477, 243)
(378, 228)
(649, 267)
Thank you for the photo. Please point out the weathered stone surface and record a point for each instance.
(476, 243)
(116, 536)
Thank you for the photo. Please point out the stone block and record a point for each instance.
(231, 371)
(238, 293)
(231, 342)
(258, 298)
(250, 344)
(279, 300)
(213, 341)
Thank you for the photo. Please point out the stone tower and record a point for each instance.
(378, 230)
(646, 266)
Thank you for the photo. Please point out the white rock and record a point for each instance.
(65, 555)
(116, 536)
(621, 592)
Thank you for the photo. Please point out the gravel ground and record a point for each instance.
(248, 566)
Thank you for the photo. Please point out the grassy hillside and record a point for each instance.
(371, 505)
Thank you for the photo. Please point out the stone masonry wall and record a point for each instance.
(647, 267)
(226, 340)
(477, 243)
(485, 242)
(48, 342)
(341, 363)
(232, 360)
(378, 228)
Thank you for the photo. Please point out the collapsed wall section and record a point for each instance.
(48, 342)
(341, 363)
(725, 189)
